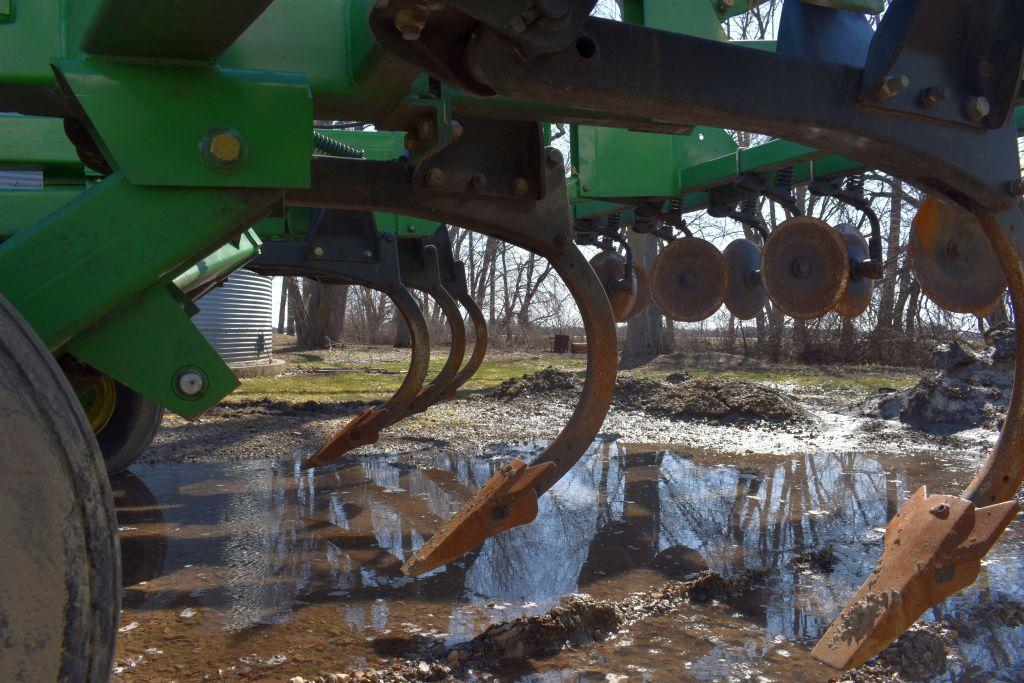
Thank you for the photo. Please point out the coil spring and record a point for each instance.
(334, 148)
(855, 183)
(784, 177)
(614, 222)
(749, 205)
(675, 205)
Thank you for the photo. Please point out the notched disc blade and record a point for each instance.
(689, 279)
(804, 267)
(857, 297)
(643, 292)
(745, 296)
(611, 269)
(953, 259)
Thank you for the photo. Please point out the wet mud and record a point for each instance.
(652, 562)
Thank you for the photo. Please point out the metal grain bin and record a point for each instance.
(237, 318)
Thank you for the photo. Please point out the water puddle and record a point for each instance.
(261, 570)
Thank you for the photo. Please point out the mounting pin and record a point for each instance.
(189, 383)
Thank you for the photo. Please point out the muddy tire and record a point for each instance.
(60, 568)
(131, 429)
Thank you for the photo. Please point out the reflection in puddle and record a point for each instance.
(228, 561)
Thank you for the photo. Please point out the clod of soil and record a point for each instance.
(710, 398)
(920, 654)
(816, 560)
(547, 381)
(968, 389)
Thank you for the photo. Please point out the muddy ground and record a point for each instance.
(767, 491)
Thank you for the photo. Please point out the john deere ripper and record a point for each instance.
(192, 130)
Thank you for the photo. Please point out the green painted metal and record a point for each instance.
(155, 121)
(147, 343)
(222, 262)
(22, 208)
(35, 142)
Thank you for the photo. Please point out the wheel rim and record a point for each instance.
(99, 399)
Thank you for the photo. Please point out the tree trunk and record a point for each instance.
(887, 297)
(325, 315)
(296, 306)
(282, 309)
(645, 333)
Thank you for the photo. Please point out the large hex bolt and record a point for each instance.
(189, 383)
(520, 186)
(223, 148)
(892, 86)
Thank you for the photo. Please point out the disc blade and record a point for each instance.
(643, 292)
(804, 267)
(953, 259)
(689, 279)
(611, 269)
(745, 296)
(857, 297)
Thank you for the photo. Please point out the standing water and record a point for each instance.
(260, 570)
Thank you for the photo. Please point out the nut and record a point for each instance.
(222, 147)
(977, 107)
(520, 186)
(318, 251)
(477, 181)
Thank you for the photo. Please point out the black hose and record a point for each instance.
(332, 147)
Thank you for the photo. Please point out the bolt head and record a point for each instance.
(424, 128)
(977, 107)
(477, 181)
(892, 85)
(222, 147)
(410, 22)
(433, 177)
(456, 130)
(933, 97)
(189, 383)
(318, 251)
(520, 186)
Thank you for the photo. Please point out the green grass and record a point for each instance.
(352, 381)
(325, 377)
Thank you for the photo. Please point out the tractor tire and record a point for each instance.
(60, 574)
(130, 430)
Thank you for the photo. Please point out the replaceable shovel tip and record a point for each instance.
(506, 500)
(933, 548)
(361, 430)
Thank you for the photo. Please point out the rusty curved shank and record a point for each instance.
(476, 317)
(365, 428)
(434, 392)
(934, 544)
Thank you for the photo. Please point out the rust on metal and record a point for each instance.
(805, 267)
(507, 499)
(643, 297)
(476, 317)
(365, 428)
(953, 261)
(434, 391)
(745, 296)
(857, 296)
(934, 545)
(933, 548)
(611, 271)
(689, 279)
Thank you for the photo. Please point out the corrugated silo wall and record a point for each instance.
(237, 318)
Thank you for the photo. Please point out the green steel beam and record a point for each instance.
(35, 142)
(162, 125)
(221, 263)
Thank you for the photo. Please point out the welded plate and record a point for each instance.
(804, 267)
(611, 269)
(745, 296)
(857, 297)
(689, 279)
(953, 259)
(643, 292)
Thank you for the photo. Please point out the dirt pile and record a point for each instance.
(816, 560)
(547, 381)
(968, 389)
(922, 653)
(710, 398)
